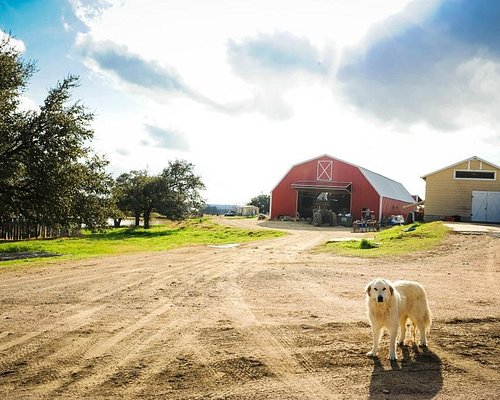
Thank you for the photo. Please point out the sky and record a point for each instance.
(244, 89)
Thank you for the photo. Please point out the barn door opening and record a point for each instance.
(309, 200)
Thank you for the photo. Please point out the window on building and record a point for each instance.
(469, 174)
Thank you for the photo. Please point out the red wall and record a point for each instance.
(395, 207)
(284, 197)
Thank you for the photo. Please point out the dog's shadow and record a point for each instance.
(418, 374)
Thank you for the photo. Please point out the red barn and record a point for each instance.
(345, 188)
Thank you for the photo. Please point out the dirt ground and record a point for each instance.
(265, 320)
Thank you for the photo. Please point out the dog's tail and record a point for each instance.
(427, 316)
(427, 321)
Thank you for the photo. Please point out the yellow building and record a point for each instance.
(466, 191)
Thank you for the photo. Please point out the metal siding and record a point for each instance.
(395, 207)
(284, 197)
(363, 195)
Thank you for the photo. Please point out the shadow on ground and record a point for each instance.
(26, 254)
(418, 375)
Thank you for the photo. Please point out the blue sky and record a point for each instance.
(244, 89)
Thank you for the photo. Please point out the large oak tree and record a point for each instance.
(174, 193)
(48, 172)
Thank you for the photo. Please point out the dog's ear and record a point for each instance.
(368, 289)
(391, 288)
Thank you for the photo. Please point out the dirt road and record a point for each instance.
(265, 320)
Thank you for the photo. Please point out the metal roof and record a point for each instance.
(386, 187)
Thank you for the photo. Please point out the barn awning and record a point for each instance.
(323, 185)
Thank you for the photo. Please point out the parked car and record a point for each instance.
(230, 214)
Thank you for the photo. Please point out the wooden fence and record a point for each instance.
(19, 230)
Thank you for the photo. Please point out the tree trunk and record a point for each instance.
(137, 219)
(117, 222)
(147, 215)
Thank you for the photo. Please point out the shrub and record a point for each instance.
(366, 244)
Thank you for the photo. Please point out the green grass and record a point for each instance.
(199, 231)
(398, 240)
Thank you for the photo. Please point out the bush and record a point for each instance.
(366, 244)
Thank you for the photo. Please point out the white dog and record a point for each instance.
(391, 304)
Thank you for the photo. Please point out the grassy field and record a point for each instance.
(397, 240)
(202, 231)
(199, 231)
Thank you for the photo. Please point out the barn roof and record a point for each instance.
(305, 162)
(386, 187)
(461, 162)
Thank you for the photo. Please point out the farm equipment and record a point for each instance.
(322, 214)
(321, 217)
(367, 223)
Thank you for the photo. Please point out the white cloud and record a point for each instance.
(115, 60)
(278, 54)
(26, 104)
(14, 42)
(91, 11)
(438, 66)
(167, 138)
(252, 88)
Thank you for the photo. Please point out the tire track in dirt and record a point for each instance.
(276, 352)
(107, 345)
(470, 344)
(40, 355)
(183, 351)
(107, 266)
(71, 315)
(241, 327)
(188, 343)
(478, 371)
(68, 269)
(186, 350)
(73, 322)
(79, 280)
(180, 333)
(126, 346)
(320, 297)
(40, 338)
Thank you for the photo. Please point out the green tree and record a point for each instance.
(129, 193)
(48, 174)
(262, 201)
(181, 188)
(174, 193)
(154, 192)
(14, 75)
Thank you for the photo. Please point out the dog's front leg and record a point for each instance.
(376, 331)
